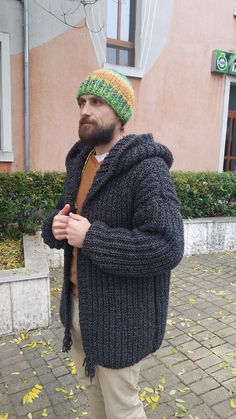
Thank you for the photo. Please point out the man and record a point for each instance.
(119, 223)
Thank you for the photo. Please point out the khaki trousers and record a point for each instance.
(113, 393)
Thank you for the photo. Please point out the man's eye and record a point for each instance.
(96, 102)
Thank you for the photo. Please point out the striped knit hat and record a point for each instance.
(114, 88)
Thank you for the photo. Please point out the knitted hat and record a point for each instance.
(114, 88)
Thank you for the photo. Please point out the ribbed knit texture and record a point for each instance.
(135, 239)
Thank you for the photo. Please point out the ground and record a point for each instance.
(193, 375)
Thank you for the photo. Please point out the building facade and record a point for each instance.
(179, 56)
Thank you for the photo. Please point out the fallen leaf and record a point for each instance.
(232, 404)
(149, 389)
(32, 394)
(181, 372)
(172, 392)
(155, 399)
(44, 412)
(153, 406)
(73, 410)
(72, 367)
(80, 386)
(61, 390)
(191, 301)
(184, 390)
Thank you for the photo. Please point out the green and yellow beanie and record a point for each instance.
(114, 88)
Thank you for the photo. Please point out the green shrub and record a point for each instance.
(206, 194)
(27, 198)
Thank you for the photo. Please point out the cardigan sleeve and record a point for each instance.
(47, 235)
(156, 241)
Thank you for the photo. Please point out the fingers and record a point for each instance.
(61, 219)
(76, 217)
(65, 210)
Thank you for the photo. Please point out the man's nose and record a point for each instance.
(85, 109)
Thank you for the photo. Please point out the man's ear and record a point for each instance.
(122, 127)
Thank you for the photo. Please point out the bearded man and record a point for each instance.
(119, 224)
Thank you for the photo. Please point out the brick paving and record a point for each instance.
(193, 375)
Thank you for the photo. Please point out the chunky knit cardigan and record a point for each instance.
(135, 239)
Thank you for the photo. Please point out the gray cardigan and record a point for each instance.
(135, 240)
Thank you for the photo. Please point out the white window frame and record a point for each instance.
(6, 152)
(228, 81)
(130, 71)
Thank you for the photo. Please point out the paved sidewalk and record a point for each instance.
(193, 375)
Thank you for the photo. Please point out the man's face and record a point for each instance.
(98, 122)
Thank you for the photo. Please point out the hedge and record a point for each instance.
(26, 198)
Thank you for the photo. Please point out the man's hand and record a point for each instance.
(59, 224)
(76, 230)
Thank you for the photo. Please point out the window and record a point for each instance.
(121, 32)
(6, 153)
(230, 144)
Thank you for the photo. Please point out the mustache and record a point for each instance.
(85, 120)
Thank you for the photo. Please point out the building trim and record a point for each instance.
(6, 153)
(228, 81)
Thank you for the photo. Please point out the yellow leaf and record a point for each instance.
(4, 415)
(184, 390)
(149, 389)
(232, 404)
(234, 371)
(191, 301)
(148, 399)
(155, 399)
(61, 390)
(30, 416)
(153, 406)
(163, 380)
(15, 373)
(72, 367)
(38, 386)
(73, 410)
(32, 394)
(142, 396)
(172, 392)
(79, 386)
(181, 372)
(44, 412)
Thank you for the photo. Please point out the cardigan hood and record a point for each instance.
(127, 152)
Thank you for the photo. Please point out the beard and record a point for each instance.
(90, 133)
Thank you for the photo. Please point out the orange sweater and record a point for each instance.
(86, 182)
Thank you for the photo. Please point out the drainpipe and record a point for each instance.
(26, 85)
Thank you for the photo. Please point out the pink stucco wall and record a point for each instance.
(178, 99)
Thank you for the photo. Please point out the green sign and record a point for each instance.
(223, 62)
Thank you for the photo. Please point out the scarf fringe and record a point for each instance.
(89, 367)
(67, 342)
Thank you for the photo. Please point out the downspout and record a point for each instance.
(26, 85)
